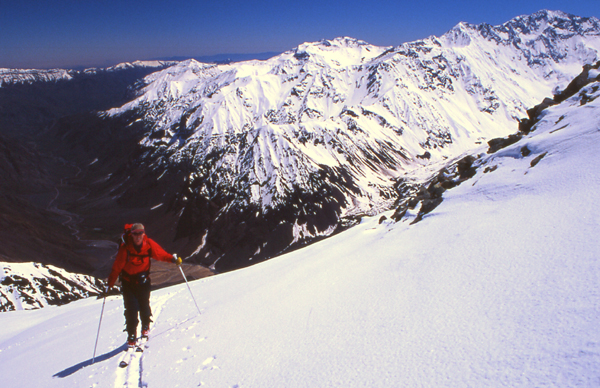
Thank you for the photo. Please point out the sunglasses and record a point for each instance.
(137, 233)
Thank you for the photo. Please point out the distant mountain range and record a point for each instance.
(236, 163)
(223, 58)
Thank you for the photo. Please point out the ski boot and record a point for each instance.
(131, 340)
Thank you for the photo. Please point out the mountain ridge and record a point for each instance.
(10, 76)
(345, 115)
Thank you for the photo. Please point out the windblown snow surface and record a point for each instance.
(498, 286)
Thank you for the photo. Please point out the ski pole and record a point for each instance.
(100, 323)
(188, 286)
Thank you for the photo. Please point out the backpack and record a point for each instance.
(126, 233)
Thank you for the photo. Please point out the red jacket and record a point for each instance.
(132, 261)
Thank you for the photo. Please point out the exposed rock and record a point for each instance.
(430, 195)
(499, 143)
(534, 112)
(537, 159)
(426, 155)
(427, 206)
(583, 79)
(578, 83)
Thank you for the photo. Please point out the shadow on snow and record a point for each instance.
(70, 370)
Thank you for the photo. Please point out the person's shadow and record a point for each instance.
(72, 369)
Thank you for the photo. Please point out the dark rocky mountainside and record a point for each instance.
(29, 231)
(35, 176)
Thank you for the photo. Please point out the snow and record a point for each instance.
(498, 286)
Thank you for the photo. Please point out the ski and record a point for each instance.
(141, 344)
(127, 358)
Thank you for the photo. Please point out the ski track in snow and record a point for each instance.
(133, 374)
(171, 332)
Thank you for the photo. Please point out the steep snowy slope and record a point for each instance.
(497, 286)
(292, 148)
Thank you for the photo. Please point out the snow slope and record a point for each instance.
(498, 286)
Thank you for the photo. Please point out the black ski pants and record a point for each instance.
(136, 298)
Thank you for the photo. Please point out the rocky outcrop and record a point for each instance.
(588, 75)
(428, 196)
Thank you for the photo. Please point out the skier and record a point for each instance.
(132, 266)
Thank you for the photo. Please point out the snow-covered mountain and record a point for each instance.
(263, 156)
(233, 164)
(16, 76)
(497, 286)
(27, 286)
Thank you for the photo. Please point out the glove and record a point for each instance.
(176, 260)
(104, 293)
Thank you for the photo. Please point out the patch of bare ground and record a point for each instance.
(167, 274)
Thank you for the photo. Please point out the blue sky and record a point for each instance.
(74, 33)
